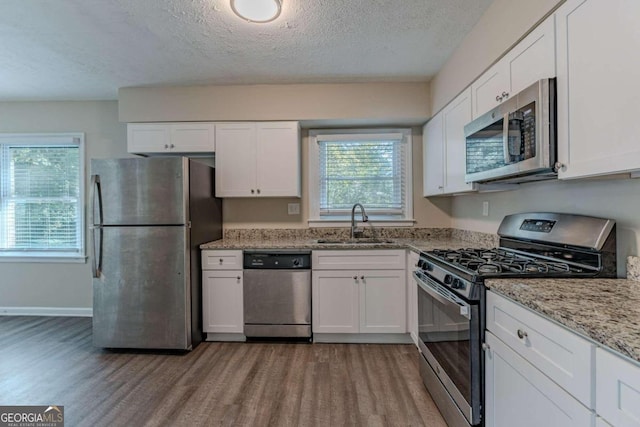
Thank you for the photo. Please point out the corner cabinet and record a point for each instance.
(222, 295)
(171, 138)
(598, 89)
(444, 149)
(359, 292)
(258, 159)
(529, 61)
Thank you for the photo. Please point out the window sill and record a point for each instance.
(346, 222)
(36, 257)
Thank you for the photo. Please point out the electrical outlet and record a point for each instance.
(485, 208)
(293, 208)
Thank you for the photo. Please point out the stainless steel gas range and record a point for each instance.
(451, 296)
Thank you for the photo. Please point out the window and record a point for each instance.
(41, 195)
(368, 166)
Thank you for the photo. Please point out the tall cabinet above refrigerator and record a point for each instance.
(148, 217)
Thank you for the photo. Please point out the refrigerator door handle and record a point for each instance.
(96, 263)
(95, 185)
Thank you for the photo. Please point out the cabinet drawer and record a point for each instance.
(221, 260)
(359, 259)
(560, 354)
(617, 389)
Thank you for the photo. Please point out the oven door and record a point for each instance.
(449, 338)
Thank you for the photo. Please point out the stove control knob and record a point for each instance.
(427, 266)
(421, 263)
(448, 279)
(455, 284)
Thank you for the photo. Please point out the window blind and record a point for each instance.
(40, 196)
(368, 169)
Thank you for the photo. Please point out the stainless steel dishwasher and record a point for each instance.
(277, 294)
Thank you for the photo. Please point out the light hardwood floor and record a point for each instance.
(46, 360)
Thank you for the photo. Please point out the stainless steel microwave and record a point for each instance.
(516, 141)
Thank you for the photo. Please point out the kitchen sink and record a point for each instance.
(360, 241)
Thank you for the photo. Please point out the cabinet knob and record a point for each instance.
(505, 94)
(485, 346)
(440, 187)
(355, 277)
(238, 277)
(221, 260)
(557, 166)
(258, 191)
(171, 146)
(498, 98)
(522, 334)
(361, 277)
(166, 145)
(253, 191)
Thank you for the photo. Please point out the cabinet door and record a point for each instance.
(455, 117)
(222, 309)
(617, 389)
(335, 301)
(533, 58)
(382, 301)
(433, 157)
(278, 161)
(517, 394)
(148, 138)
(193, 137)
(235, 160)
(598, 90)
(488, 89)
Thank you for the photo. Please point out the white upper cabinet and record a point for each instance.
(455, 116)
(529, 61)
(598, 87)
(444, 149)
(433, 156)
(258, 159)
(170, 138)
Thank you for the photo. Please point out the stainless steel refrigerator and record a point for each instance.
(148, 218)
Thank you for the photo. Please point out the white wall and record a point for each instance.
(59, 285)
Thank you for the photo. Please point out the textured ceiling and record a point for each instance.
(87, 49)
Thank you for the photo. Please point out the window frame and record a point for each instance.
(52, 139)
(316, 220)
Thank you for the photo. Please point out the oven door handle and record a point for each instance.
(444, 297)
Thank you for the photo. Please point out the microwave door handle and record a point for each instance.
(505, 139)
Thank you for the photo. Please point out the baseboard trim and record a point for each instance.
(363, 338)
(47, 311)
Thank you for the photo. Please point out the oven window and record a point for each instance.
(446, 334)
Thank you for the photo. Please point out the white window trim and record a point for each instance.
(53, 257)
(314, 178)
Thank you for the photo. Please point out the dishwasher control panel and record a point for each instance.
(277, 260)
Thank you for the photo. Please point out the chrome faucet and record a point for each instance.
(365, 218)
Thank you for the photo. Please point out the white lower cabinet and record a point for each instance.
(617, 389)
(359, 300)
(222, 296)
(518, 394)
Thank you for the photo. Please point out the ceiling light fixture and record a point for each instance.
(258, 11)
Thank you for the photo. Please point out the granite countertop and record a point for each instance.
(415, 244)
(606, 311)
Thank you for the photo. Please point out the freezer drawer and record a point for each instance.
(142, 297)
